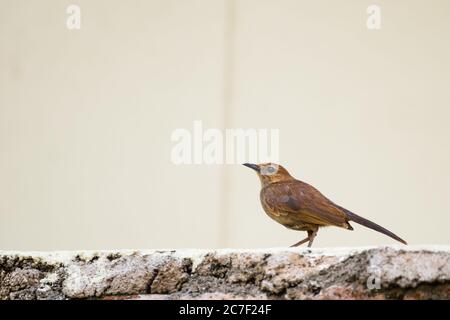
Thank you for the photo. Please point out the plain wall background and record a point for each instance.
(86, 118)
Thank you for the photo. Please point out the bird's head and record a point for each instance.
(270, 172)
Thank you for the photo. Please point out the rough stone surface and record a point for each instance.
(397, 272)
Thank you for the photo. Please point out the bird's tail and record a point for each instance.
(371, 225)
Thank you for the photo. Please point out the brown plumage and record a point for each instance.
(299, 206)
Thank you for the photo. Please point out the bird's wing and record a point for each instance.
(306, 203)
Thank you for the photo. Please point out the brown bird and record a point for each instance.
(299, 206)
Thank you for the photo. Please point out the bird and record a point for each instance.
(299, 206)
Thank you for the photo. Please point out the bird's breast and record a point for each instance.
(289, 220)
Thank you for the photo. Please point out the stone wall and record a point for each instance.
(399, 272)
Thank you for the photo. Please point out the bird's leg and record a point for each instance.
(300, 242)
(311, 236)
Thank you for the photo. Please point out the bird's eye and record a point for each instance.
(270, 169)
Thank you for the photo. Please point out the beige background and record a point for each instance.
(86, 118)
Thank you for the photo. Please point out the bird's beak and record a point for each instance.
(252, 166)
